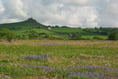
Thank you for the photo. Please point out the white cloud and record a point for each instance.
(63, 12)
(13, 11)
(78, 2)
(84, 13)
(1, 8)
(108, 13)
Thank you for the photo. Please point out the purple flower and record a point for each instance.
(95, 67)
(46, 68)
(106, 71)
(86, 74)
(35, 57)
(4, 76)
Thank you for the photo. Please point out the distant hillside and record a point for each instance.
(28, 24)
(32, 29)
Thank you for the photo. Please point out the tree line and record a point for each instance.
(9, 35)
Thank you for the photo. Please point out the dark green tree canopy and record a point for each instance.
(113, 36)
(7, 34)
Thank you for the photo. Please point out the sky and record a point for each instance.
(73, 13)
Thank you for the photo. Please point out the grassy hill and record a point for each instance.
(28, 24)
(31, 27)
(86, 34)
(24, 28)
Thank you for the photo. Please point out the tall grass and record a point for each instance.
(47, 59)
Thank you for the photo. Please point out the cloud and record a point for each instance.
(1, 8)
(13, 11)
(63, 12)
(76, 13)
(108, 13)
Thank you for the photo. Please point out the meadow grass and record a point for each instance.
(59, 59)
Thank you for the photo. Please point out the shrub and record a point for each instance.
(7, 34)
(75, 36)
(97, 38)
(113, 36)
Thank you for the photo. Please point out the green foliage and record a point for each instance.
(32, 34)
(97, 38)
(7, 34)
(113, 36)
(75, 36)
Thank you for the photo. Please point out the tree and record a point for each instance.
(33, 34)
(7, 34)
(113, 36)
(75, 36)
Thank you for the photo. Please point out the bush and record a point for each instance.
(113, 36)
(97, 38)
(7, 34)
(75, 36)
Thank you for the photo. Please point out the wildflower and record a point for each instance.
(35, 57)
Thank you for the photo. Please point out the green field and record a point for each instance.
(59, 59)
